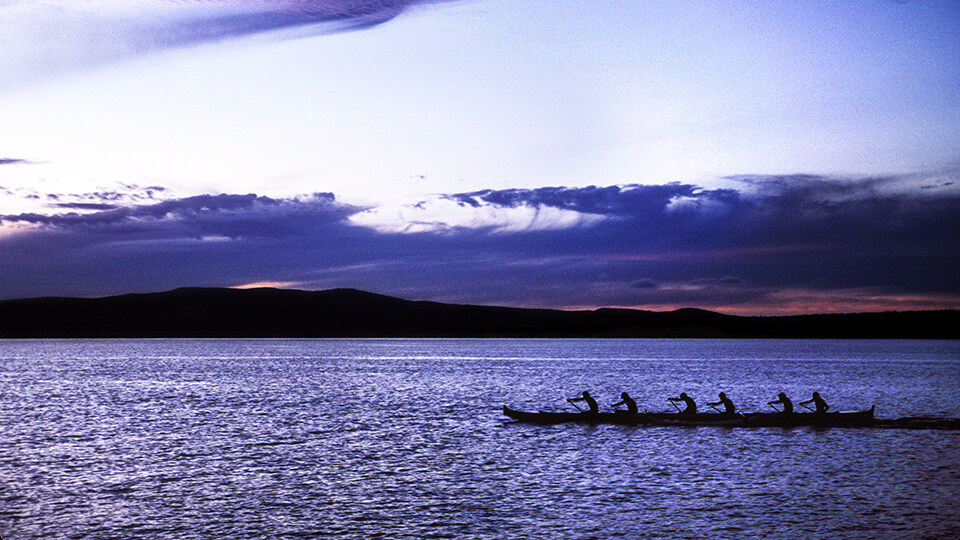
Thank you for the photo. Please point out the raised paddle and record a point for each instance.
(674, 403)
(807, 408)
(773, 407)
(570, 401)
(716, 409)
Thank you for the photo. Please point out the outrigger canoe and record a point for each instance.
(849, 419)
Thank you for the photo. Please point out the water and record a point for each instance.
(404, 438)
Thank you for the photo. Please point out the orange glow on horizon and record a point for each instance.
(267, 284)
(809, 302)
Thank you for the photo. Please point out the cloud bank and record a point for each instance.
(774, 245)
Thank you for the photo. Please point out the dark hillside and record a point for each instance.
(196, 312)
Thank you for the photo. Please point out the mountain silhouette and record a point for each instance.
(213, 312)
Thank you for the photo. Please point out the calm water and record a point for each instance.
(404, 438)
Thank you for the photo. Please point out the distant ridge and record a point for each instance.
(211, 312)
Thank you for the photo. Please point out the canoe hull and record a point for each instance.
(851, 419)
(619, 418)
(548, 418)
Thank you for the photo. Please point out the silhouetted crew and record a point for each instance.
(691, 407)
(728, 407)
(820, 403)
(785, 401)
(625, 399)
(592, 403)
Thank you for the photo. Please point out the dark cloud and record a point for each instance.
(777, 238)
(615, 201)
(229, 215)
(801, 231)
(205, 240)
(85, 206)
(779, 214)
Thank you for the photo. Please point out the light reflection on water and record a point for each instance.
(404, 438)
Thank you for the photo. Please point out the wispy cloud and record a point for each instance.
(220, 19)
(27, 200)
(97, 31)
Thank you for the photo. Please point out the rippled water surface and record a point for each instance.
(405, 438)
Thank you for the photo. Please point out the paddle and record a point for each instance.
(807, 408)
(570, 401)
(716, 409)
(674, 403)
(772, 406)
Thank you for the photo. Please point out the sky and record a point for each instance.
(745, 157)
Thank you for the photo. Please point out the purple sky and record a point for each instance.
(741, 157)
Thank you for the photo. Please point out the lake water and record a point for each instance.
(405, 439)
